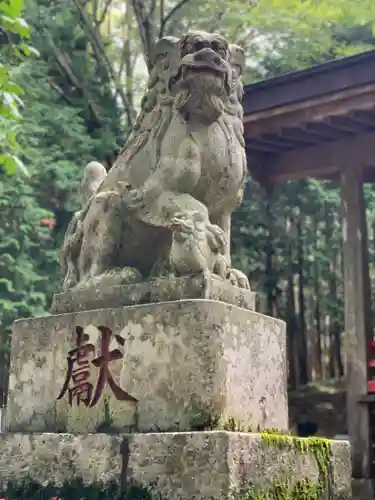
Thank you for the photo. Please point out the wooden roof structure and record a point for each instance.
(320, 123)
(312, 122)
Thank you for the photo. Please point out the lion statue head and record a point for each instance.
(201, 76)
(196, 75)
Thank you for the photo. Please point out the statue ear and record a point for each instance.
(237, 57)
(167, 47)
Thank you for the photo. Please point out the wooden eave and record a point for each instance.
(313, 123)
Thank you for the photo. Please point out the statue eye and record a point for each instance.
(237, 70)
(188, 48)
(217, 47)
(199, 45)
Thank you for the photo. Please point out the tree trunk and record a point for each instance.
(269, 253)
(335, 367)
(4, 366)
(338, 351)
(303, 353)
(318, 369)
(291, 319)
(292, 334)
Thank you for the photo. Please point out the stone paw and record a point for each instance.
(135, 199)
(215, 238)
(238, 278)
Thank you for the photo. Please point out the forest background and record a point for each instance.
(72, 73)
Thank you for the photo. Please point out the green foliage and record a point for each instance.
(54, 142)
(58, 136)
(14, 32)
(76, 75)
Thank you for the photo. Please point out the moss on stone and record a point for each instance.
(230, 424)
(301, 490)
(319, 448)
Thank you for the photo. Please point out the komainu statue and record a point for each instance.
(165, 206)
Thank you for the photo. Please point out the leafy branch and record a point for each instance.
(14, 30)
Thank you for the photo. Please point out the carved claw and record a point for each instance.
(216, 238)
(221, 267)
(181, 224)
(238, 278)
(182, 229)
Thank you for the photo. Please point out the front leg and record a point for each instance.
(236, 277)
(224, 222)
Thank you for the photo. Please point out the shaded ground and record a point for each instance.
(323, 404)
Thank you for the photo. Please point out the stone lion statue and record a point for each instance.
(165, 206)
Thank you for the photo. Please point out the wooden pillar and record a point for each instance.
(358, 330)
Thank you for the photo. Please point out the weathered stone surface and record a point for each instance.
(187, 363)
(181, 466)
(200, 286)
(57, 458)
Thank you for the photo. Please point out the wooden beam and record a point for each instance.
(363, 117)
(322, 79)
(358, 331)
(323, 160)
(340, 123)
(319, 129)
(298, 136)
(310, 110)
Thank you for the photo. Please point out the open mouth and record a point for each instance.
(186, 69)
(204, 69)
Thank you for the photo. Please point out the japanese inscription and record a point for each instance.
(78, 382)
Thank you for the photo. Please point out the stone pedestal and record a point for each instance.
(179, 365)
(199, 286)
(112, 395)
(182, 466)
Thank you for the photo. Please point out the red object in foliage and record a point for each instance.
(50, 223)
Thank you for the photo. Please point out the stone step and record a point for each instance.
(182, 466)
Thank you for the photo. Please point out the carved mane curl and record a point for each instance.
(156, 105)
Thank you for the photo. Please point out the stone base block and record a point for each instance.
(183, 365)
(200, 286)
(183, 466)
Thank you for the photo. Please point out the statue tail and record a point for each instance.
(93, 176)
